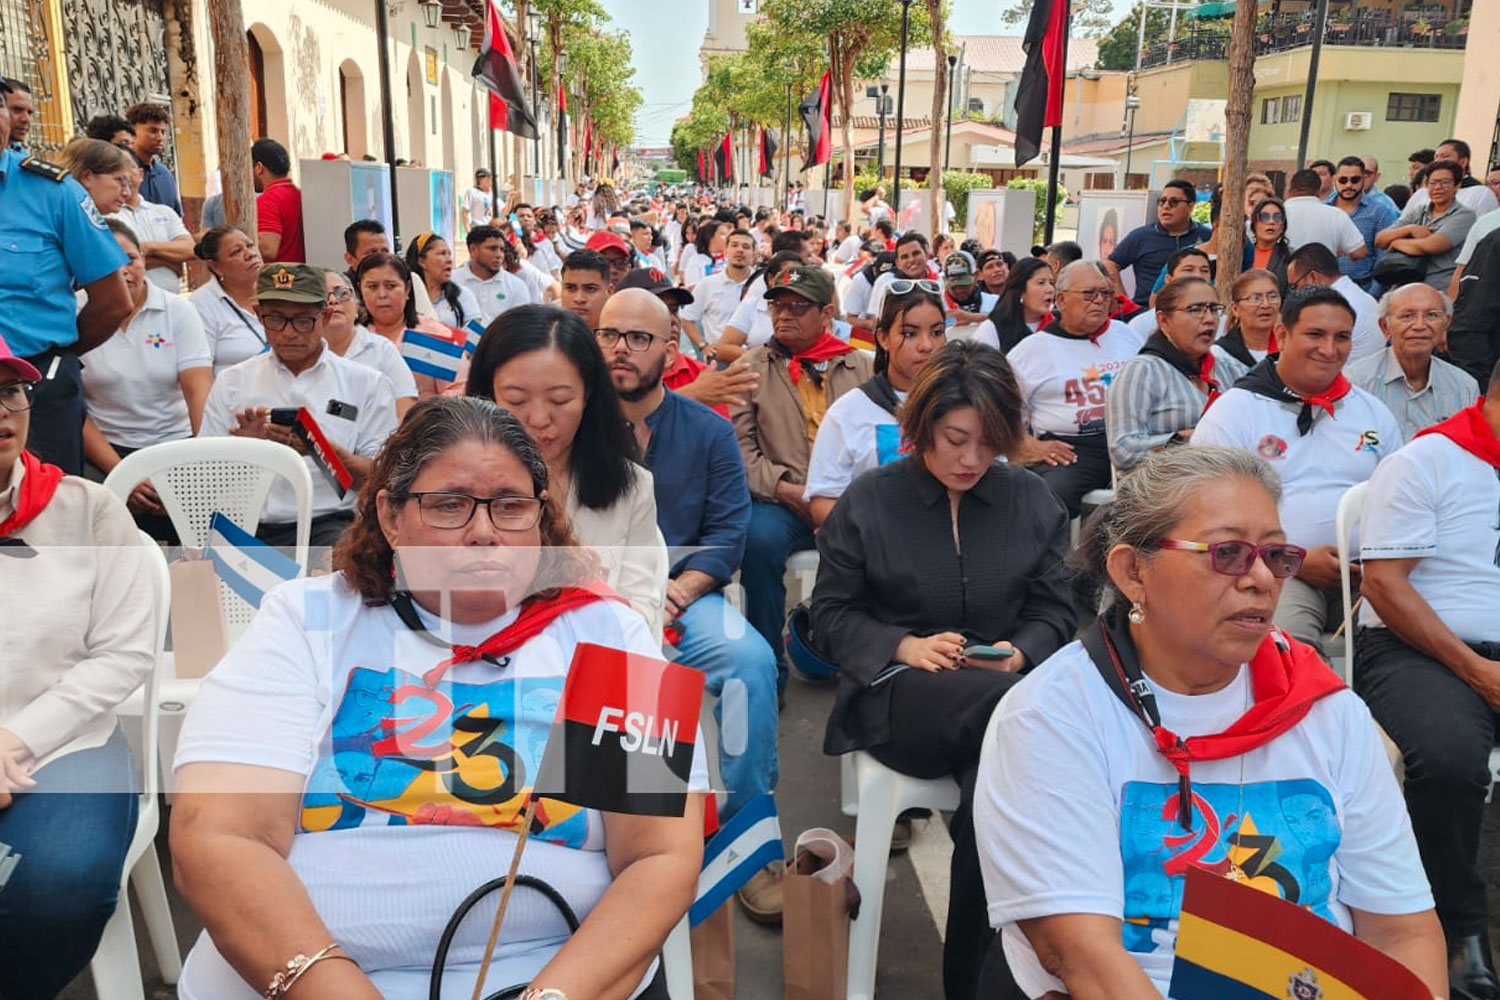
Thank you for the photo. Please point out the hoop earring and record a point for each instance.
(1137, 613)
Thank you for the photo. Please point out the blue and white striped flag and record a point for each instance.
(742, 847)
(248, 565)
(473, 330)
(437, 357)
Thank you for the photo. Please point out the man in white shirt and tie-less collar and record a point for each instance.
(1314, 264)
(353, 406)
(485, 275)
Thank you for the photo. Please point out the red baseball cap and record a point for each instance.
(605, 240)
(25, 370)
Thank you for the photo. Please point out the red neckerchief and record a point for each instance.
(536, 614)
(1054, 326)
(827, 348)
(1469, 430)
(1124, 306)
(1325, 399)
(1271, 347)
(1206, 374)
(38, 483)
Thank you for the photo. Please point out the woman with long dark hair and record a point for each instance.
(1025, 304)
(390, 308)
(544, 365)
(430, 256)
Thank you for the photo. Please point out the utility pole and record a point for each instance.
(900, 113)
(226, 25)
(1320, 25)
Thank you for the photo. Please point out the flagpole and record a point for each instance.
(900, 115)
(786, 159)
(510, 883)
(1056, 165)
(388, 123)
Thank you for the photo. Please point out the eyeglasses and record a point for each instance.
(1088, 294)
(1270, 217)
(451, 511)
(903, 286)
(340, 294)
(1260, 298)
(1346, 181)
(1433, 182)
(793, 306)
(17, 396)
(635, 340)
(1198, 310)
(1237, 557)
(1433, 316)
(275, 322)
(1171, 202)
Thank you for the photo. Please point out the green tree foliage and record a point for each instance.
(1117, 48)
(1091, 18)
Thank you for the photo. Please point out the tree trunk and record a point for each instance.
(226, 26)
(518, 145)
(1230, 245)
(939, 105)
(843, 68)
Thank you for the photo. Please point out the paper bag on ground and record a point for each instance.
(199, 639)
(713, 955)
(817, 899)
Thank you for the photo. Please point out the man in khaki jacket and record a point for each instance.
(802, 370)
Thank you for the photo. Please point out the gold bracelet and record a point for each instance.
(296, 966)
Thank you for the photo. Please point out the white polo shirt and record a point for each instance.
(1316, 468)
(753, 314)
(1434, 502)
(1064, 379)
(535, 280)
(374, 351)
(130, 381)
(494, 295)
(545, 257)
(264, 381)
(1309, 220)
(857, 297)
(234, 333)
(715, 300)
(848, 251)
(155, 224)
(467, 301)
(1369, 338)
(856, 434)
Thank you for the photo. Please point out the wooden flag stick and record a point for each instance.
(510, 883)
(1353, 610)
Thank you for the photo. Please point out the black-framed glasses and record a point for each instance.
(275, 322)
(1171, 202)
(635, 340)
(903, 286)
(1198, 310)
(1235, 558)
(1270, 217)
(17, 396)
(450, 511)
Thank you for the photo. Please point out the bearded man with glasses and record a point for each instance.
(353, 405)
(1146, 248)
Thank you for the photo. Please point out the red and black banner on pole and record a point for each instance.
(724, 157)
(324, 457)
(496, 68)
(768, 148)
(1039, 94)
(816, 110)
(624, 735)
(562, 125)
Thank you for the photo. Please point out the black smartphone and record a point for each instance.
(284, 416)
(982, 652)
(348, 411)
(720, 364)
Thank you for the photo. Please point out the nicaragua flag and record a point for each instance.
(473, 330)
(248, 565)
(745, 845)
(437, 357)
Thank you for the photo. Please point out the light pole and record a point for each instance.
(948, 139)
(1132, 104)
(882, 108)
(900, 111)
(533, 27)
(562, 125)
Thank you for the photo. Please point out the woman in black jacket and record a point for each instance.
(922, 561)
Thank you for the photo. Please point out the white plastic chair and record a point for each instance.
(1346, 522)
(883, 794)
(1091, 499)
(677, 962)
(803, 568)
(116, 964)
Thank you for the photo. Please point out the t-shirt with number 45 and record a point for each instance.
(1064, 378)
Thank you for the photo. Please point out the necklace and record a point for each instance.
(1236, 873)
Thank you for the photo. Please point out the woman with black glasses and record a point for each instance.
(1156, 400)
(544, 365)
(1185, 730)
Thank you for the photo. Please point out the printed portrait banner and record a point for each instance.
(1235, 942)
(624, 734)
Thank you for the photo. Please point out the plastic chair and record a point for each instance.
(116, 964)
(803, 568)
(1346, 522)
(1093, 498)
(677, 961)
(883, 794)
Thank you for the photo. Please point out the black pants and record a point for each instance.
(1445, 732)
(324, 531)
(937, 729)
(56, 435)
(1070, 482)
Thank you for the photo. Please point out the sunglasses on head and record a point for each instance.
(902, 286)
(1235, 558)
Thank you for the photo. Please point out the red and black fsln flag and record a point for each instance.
(816, 110)
(624, 734)
(768, 147)
(724, 158)
(702, 167)
(496, 68)
(1039, 95)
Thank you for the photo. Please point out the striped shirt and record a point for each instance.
(1448, 390)
(1369, 218)
(1150, 401)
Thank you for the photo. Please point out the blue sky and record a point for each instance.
(665, 35)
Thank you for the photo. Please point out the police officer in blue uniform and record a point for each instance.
(53, 241)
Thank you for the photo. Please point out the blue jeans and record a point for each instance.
(72, 850)
(775, 533)
(741, 673)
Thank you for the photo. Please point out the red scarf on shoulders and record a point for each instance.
(37, 486)
(1470, 431)
(826, 348)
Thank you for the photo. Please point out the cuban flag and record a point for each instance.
(473, 330)
(437, 357)
(248, 565)
(745, 845)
